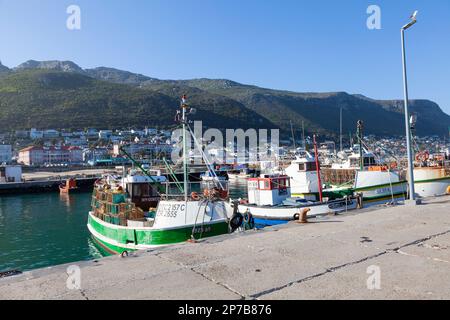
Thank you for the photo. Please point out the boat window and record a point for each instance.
(261, 184)
(267, 185)
(141, 190)
(301, 167)
(311, 166)
(354, 162)
(369, 161)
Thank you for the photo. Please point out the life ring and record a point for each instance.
(422, 156)
(195, 196)
(393, 165)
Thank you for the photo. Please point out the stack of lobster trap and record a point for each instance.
(112, 207)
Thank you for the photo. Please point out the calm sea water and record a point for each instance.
(42, 230)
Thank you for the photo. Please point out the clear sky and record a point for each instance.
(285, 44)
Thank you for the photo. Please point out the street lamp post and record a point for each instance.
(412, 196)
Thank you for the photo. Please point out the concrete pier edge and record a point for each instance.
(400, 252)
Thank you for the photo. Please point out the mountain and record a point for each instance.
(320, 112)
(61, 94)
(117, 76)
(3, 69)
(53, 99)
(65, 66)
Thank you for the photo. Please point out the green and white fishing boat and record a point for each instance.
(141, 211)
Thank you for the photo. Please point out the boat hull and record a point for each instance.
(430, 182)
(383, 194)
(268, 216)
(117, 239)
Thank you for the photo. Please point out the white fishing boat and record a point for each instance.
(431, 175)
(379, 185)
(430, 182)
(241, 174)
(270, 202)
(304, 180)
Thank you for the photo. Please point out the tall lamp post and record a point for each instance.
(412, 197)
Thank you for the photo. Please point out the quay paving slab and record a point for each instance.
(182, 284)
(325, 259)
(401, 277)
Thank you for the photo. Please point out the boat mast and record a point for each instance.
(293, 136)
(303, 135)
(319, 180)
(360, 138)
(185, 165)
(340, 133)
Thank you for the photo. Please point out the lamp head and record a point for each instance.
(414, 15)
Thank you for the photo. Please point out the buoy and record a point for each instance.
(195, 196)
(448, 190)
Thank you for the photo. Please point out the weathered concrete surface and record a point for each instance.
(326, 259)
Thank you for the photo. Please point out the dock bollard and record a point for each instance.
(304, 215)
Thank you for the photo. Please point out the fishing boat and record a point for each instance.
(270, 202)
(243, 173)
(431, 176)
(380, 185)
(121, 221)
(305, 183)
(374, 183)
(68, 186)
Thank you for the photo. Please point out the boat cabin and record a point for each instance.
(303, 174)
(142, 190)
(269, 190)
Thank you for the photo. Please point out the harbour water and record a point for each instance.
(41, 230)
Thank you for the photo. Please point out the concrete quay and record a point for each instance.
(400, 252)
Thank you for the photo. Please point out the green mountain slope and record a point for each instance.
(54, 99)
(57, 94)
(320, 112)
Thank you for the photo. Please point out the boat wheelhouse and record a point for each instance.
(303, 177)
(353, 161)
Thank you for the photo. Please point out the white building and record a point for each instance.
(5, 153)
(10, 174)
(51, 155)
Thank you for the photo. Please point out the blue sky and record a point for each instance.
(293, 44)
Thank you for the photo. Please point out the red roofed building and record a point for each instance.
(32, 156)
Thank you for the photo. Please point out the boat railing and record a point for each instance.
(195, 189)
